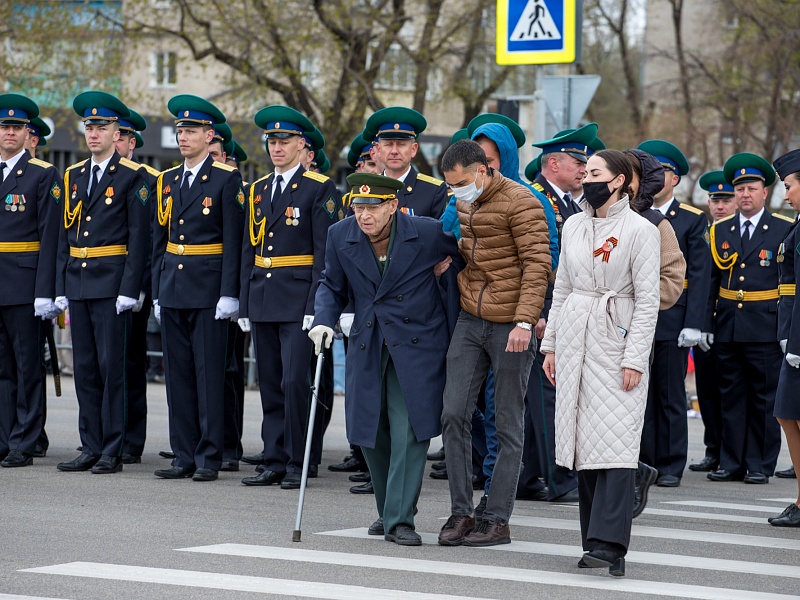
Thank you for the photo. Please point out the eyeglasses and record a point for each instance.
(368, 208)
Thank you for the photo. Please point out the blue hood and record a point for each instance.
(509, 155)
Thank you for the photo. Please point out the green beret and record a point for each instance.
(368, 188)
(669, 155)
(744, 167)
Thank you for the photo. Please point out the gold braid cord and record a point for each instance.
(71, 215)
(724, 264)
(256, 228)
(164, 211)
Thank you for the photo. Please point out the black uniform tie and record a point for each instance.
(3, 171)
(94, 180)
(746, 235)
(277, 191)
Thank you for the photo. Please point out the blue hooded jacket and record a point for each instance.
(509, 167)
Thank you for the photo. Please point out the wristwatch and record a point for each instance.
(525, 326)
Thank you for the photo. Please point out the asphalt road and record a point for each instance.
(80, 536)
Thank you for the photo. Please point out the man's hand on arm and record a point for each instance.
(519, 339)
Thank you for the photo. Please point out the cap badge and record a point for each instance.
(11, 112)
(94, 111)
(719, 187)
(277, 125)
(364, 189)
(186, 113)
(742, 171)
(396, 126)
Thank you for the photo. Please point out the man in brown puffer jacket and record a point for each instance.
(505, 242)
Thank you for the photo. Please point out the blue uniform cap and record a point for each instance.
(16, 109)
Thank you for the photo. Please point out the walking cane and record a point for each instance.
(304, 477)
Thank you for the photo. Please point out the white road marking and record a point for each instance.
(687, 514)
(722, 505)
(15, 597)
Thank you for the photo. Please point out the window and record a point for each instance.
(165, 73)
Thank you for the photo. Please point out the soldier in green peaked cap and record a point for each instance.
(744, 167)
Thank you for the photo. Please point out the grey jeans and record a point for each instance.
(476, 345)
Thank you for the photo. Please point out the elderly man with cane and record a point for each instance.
(395, 371)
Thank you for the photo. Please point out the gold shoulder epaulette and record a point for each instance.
(39, 163)
(77, 164)
(264, 178)
(784, 217)
(315, 176)
(151, 170)
(164, 172)
(538, 187)
(725, 218)
(127, 162)
(429, 179)
(690, 208)
(223, 166)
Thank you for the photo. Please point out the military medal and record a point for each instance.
(109, 195)
(257, 199)
(166, 189)
(407, 210)
(765, 256)
(9, 202)
(289, 212)
(781, 251)
(206, 203)
(74, 191)
(296, 219)
(21, 204)
(606, 248)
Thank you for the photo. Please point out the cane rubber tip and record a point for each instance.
(296, 535)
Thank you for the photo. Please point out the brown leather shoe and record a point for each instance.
(488, 533)
(456, 529)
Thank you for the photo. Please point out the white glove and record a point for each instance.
(689, 337)
(45, 308)
(783, 345)
(227, 308)
(793, 360)
(125, 303)
(308, 321)
(323, 331)
(346, 323)
(157, 311)
(244, 324)
(139, 302)
(706, 341)
(62, 303)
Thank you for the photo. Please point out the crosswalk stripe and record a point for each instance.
(781, 500)
(237, 583)
(687, 514)
(16, 597)
(483, 571)
(666, 533)
(723, 505)
(648, 558)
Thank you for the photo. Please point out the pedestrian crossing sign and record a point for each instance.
(536, 32)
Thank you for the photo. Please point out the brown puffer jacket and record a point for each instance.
(505, 241)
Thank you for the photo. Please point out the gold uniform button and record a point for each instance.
(181, 250)
(271, 233)
(739, 305)
(85, 233)
(741, 277)
(180, 222)
(84, 253)
(180, 267)
(269, 247)
(180, 237)
(88, 218)
(742, 265)
(83, 265)
(269, 275)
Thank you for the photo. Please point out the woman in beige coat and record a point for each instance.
(597, 345)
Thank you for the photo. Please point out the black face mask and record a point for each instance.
(597, 193)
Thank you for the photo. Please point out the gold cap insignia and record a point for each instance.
(397, 126)
(364, 189)
(719, 187)
(186, 113)
(743, 171)
(11, 112)
(277, 125)
(94, 111)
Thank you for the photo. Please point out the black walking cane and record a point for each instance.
(304, 477)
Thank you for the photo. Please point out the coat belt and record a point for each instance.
(97, 251)
(296, 260)
(607, 306)
(20, 246)
(194, 249)
(747, 296)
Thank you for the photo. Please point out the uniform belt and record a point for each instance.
(97, 251)
(686, 284)
(297, 260)
(20, 246)
(193, 249)
(743, 296)
(787, 289)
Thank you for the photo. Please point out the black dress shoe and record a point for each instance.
(291, 481)
(261, 468)
(166, 454)
(440, 474)
(83, 463)
(229, 465)
(15, 458)
(538, 495)
(175, 473)
(107, 464)
(204, 474)
(785, 512)
(438, 466)
(360, 477)
(362, 489)
(350, 465)
(376, 528)
(786, 473)
(645, 477)
(265, 478)
(254, 459)
(131, 459)
(618, 568)
(438, 455)
(709, 463)
(668, 481)
(791, 519)
(403, 535)
(604, 555)
(723, 475)
(756, 478)
(570, 496)
(39, 451)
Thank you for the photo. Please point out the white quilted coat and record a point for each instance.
(598, 425)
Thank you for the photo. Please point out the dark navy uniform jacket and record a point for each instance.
(690, 225)
(788, 283)
(744, 320)
(286, 294)
(402, 311)
(117, 213)
(39, 192)
(198, 281)
(422, 195)
(563, 211)
(151, 176)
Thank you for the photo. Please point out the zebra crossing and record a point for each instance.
(658, 567)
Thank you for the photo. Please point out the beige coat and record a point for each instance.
(602, 320)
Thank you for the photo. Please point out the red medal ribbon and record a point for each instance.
(606, 248)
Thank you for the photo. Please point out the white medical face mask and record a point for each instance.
(469, 193)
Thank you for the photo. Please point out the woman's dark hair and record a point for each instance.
(651, 178)
(463, 153)
(618, 164)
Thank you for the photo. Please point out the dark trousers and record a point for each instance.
(324, 404)
(606, 506)
(136, 432)
(234, 393)
(99, 348)
(21, 378)
(709, 398)
(540, 400)
(283, 352)
(665, 436)
(43, 442)
(194, 361)
(751, 437)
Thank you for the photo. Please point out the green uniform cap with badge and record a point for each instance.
(367, 188)
(576, 142)
(40, 129)
(314, 139)
(745, 167)
(222, 134)
(133, 122)
(16, 109)
(395, 123)
(714, 183)
(459, 135)
(511, 124)
(139, 139)
(359, 150)
(191, 111)
(534, 168)
(235, 151)
(323, 163)
(99, 108)
(669, 155)
(279, 121)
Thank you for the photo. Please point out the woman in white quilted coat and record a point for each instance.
(597, 345)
